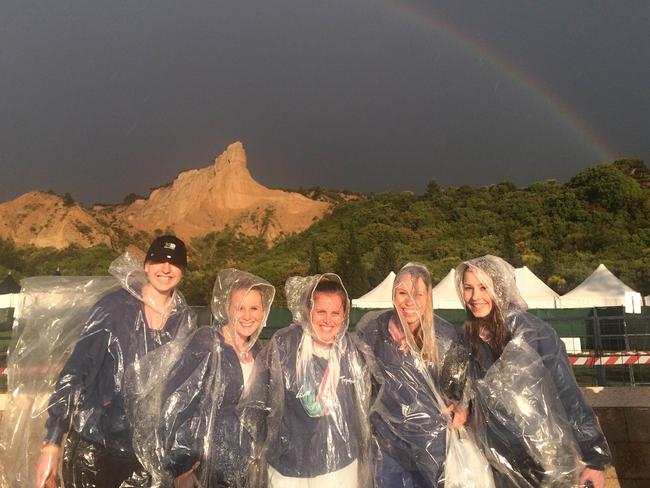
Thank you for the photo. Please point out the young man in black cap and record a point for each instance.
(88, 401)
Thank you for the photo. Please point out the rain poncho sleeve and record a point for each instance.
(534, 367)
(91, 355)
(536, 424)
(259, 408)
(584, 423)
(408, 426)
(192, 388)
(187, 410)
(307, 406)
(75, 338)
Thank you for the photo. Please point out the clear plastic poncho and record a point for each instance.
(232, 285)
(74, 338)
(536, 427)
(307, 408)
(186, 403)
(419, 367)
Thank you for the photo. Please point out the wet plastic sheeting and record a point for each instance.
(184, 396)
(416, 379)
(529, 413)
(307, 407)
(50, 321)
(519, 393)
(230, 286)
(77, 339)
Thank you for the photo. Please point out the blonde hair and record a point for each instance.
(425, 337)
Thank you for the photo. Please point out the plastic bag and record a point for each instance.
(465, 464)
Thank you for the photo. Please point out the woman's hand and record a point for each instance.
(47, 467)
(458, 415)
(596, 477)
(187, 480)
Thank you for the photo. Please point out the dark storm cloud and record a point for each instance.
(104, 99)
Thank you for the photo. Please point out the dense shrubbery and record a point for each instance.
(74, 260)
(561, 232)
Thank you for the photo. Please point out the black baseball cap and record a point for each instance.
(167, 249)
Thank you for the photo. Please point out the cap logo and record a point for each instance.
(170, 245)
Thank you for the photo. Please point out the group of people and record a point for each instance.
(403, 401)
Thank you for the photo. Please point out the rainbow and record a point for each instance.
(536, 89)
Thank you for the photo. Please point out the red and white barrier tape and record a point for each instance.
(586, 359)
(610, 359)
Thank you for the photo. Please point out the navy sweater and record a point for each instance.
(405, 416)
(91, 382)
(203, 389)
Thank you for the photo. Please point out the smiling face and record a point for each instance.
(245, 311)
(476, 295)
(163, 277)
(327, 317)
(410, 300)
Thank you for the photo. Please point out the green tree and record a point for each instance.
(10, 257)
(546, 267)
(509, 250)
(314, 259)
(432, 189)
(350, 268)
(131, 197)
(608, 187)
(385, 261)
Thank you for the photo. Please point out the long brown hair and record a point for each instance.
(494, 324)
(498, 277)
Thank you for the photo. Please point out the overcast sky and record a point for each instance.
(101, 99)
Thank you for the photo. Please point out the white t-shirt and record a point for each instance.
(246, 369)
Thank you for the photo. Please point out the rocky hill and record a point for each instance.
(47, 220)
(196, 203)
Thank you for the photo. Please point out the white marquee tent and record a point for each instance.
(444, 293)
(536, 293)
(602, 289)
(379, 297)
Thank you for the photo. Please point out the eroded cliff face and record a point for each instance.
(197, 202)
(203, 200)
(44, 220)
